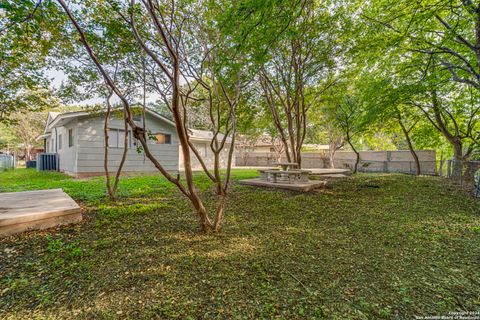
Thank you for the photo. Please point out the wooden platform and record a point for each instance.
(330, 172)
(302, 187)
(329, 176)
(33, 210)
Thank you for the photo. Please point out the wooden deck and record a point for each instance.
(33, 210)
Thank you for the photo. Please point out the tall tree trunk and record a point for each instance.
(415, 158)
(105, 150)
(454, 139)
(205, 223)
(113, 191)
(457, 165)
(357, 154)
(410, 146)
(27, 153)
(331, 158)
(299, 158)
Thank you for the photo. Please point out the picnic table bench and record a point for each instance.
(291, 176)
(287, 165)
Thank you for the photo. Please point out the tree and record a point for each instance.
(407, 123)
(437, 45)
(28, 126)
(336, 141)
(163, 36)
(25, 40)
(293, 75)
(292, 43)
(349, 116)
(389, 105)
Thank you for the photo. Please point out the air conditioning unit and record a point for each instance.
(47, 162)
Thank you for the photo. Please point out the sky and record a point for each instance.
(57, 77)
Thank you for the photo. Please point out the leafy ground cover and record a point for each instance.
(373, 246)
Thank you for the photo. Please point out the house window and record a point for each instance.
(60, 142)
(163, 138)
(70, 138)
(112, 138)
(116, 138)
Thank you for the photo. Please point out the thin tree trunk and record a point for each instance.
(410, 147)
(454, 139)
(440, 167)
(106, 146)
(457, 165)
(299, 158)
(204, 220)
(331, 157)
(357, 160)
(112, 191)
(124, 157)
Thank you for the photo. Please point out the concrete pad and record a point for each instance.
(315, 171)
(330, 176)
(322, 172)
(302, 187)
(34, 210)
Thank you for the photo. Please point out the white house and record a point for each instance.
(78, 139)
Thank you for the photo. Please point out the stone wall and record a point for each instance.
(370, 161)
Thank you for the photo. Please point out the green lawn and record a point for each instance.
(371, 247)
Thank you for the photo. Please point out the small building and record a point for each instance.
(262, 143)
(312, 147)
(265, 143)
(78, 140)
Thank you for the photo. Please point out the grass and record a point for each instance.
(371, 247)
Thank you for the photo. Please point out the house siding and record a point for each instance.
(203, 148)
(86, 156)
(67, 155)
(91, 152)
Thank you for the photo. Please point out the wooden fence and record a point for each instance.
(469, 177)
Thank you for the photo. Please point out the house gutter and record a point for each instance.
(56, 140)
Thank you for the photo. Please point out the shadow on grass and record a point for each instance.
(407, 248)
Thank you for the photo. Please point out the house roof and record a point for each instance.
(57, 119)
(317, 146)
(53, 115)
(205, 135)
(263, 140)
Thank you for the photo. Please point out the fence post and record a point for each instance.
(477, 191)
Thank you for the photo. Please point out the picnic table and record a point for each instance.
(290, 176)
(288, 165)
